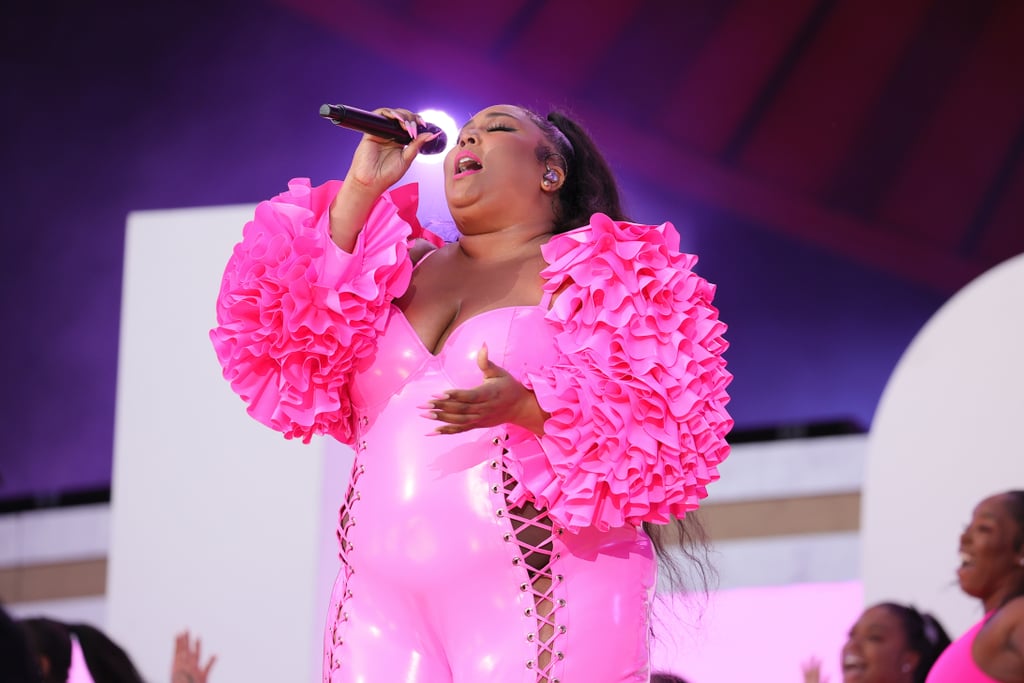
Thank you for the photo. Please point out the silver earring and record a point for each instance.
(550, 176)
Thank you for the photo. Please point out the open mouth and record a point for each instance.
(853, 665)
(467, 164)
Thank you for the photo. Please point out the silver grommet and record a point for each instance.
(494, 464)
(494, 489)
(516, 561)
(562, 628)
(524, 586)
(496, 441)
(500, 512)
(528, 611)
(507, 537)
(530, 637)
(561, 602)
(529, 663)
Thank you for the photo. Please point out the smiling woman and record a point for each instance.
(992, 570)
(524, 403)
(889, 643)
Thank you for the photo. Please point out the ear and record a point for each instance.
(910, 660)
(552, 179)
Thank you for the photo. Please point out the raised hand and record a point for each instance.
(186, 667)
(812, 671)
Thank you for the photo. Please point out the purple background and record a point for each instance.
(135, 106)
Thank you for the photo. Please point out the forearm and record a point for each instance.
(348, 213)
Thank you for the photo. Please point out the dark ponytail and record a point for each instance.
(589, 186)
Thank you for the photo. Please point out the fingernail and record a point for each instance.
(429, 416)
(440, 397)
(428, 406)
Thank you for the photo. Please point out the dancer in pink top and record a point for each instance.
(992, 570)
(524, 403)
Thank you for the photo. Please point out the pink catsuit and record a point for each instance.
(493, 554)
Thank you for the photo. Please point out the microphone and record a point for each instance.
(381, 126)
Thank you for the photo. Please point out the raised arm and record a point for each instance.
(376, 165)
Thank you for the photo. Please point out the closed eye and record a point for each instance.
(500, 127)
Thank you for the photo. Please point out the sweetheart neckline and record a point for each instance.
(396, 311)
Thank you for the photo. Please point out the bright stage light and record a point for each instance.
(445, 123)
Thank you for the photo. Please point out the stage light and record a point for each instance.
(445, 123)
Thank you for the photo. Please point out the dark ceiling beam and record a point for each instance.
(809, 128)
(720, 85)
(649, 158)
(963, 147)
(564, 58)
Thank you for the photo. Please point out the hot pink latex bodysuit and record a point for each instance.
(493, 554)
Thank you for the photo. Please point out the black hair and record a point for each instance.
(1015, 504)
(107, 661)
(665, 677)
(49, 640)
(590, 186)
(924, 635)
(18, 663)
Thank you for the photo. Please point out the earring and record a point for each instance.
(550, 176)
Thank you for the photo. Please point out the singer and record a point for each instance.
(530, 406)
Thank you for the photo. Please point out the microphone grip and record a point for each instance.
(381, 126)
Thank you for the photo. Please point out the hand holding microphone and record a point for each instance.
(383, 127)
(375, 165)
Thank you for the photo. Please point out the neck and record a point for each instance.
(504, 244)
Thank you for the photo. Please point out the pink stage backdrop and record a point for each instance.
(758, 634)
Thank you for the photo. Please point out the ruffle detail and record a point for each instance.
(637, 398)
(297, 316)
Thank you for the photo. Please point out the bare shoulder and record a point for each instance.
(1009, 616)
(999, 647)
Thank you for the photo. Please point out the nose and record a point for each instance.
(467, 136)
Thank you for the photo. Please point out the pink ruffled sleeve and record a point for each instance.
(297, 316)
(637, 397)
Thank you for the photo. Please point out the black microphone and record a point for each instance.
(381, 126)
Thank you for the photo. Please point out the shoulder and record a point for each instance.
(1005, 627)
